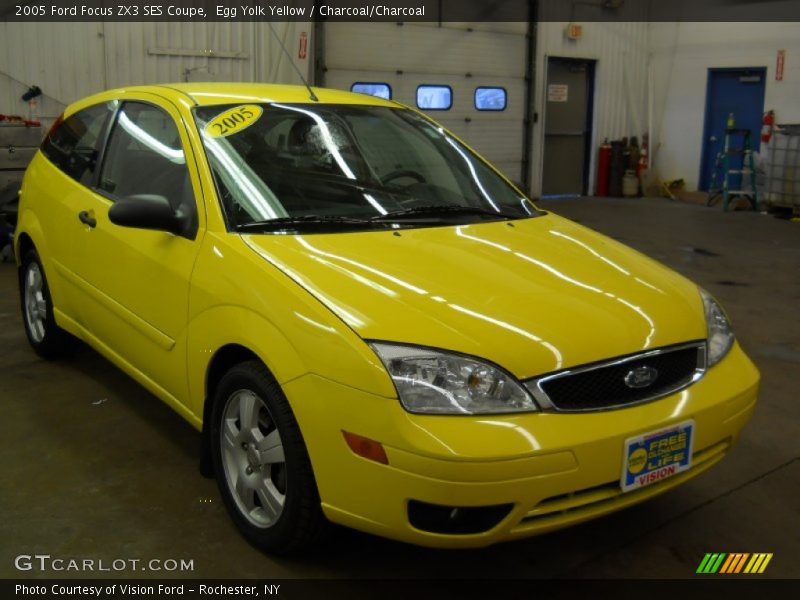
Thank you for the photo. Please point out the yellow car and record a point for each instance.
(368, 323)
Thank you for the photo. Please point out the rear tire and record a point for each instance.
(261, 463)
(46, 338)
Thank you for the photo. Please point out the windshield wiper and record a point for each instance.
(437, 210)
(364, 186)
(315, 221)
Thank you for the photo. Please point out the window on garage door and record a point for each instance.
(490, 98)
(434, 97)
(381, 90)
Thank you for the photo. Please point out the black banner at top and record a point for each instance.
(400, 10)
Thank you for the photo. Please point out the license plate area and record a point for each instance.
(656, 455)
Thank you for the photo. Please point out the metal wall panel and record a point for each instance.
(418, 49)
(143, 40)
(518, 27)
(65, 60)
(71, 60)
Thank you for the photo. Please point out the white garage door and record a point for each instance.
(463, 56)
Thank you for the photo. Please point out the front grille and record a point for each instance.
(603, 386)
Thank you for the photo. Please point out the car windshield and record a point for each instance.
(295, 167)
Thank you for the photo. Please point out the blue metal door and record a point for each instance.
(741, 92)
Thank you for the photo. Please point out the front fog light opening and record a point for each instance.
(455, 520)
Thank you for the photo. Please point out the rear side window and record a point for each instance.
(73, 146)
(434, 97)
(380, 90)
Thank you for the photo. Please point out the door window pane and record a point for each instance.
(73, 145)
(381, 90)
(434, 97)
(490, 98)
(145, 156)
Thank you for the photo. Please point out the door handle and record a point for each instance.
(713, 138)
(87, 219)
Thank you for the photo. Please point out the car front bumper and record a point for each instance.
(553, 469)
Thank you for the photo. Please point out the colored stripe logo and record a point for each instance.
(734, 563)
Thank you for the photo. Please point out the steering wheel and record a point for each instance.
(403, 173)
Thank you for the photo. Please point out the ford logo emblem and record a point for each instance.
(641, 377)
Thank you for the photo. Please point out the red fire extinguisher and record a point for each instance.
(767, 126)
(642, 166)
(603, 163)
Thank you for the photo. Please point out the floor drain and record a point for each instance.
(700, 251)
(733, 283)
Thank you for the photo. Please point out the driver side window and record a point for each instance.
(145, 156)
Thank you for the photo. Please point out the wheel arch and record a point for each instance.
(28, 235)
(224, 335)
(273, 351)
(22, 244)
(223, 360)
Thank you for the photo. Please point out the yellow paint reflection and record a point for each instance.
(314, 323)
(508, 326)
(571, 280)
(303, 242)
(535, 445)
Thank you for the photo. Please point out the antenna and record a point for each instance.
(311, 93)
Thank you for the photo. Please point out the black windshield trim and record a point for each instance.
(388, 227)
(418, 213)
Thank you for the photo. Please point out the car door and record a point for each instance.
(57, 186)
(137, 280)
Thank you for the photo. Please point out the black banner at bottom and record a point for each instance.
(407, 589)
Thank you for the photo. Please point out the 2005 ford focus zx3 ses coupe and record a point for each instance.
(368, 323)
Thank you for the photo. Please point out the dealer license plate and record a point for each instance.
(657, 455)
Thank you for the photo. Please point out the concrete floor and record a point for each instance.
(93, 466)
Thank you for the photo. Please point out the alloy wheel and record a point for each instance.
(253, 458)
(35, 303)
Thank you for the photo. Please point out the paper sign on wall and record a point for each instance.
(779, 65)
(557, 92)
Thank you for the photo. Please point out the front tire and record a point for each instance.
(46, 338)
(261, 463)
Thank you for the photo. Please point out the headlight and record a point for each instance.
(429, 381)
(720, 333)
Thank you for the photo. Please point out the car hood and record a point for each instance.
(533, 295)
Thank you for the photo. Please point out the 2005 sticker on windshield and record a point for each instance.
(233, 120)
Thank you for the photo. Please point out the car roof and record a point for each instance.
(225, 93)
(211, 93)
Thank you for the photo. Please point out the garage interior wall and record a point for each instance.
(649, 76)
(620, 95)
(71, 60)
(682, 54)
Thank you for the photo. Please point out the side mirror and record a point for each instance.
(147, 211)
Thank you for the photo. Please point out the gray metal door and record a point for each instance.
(567, 127)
